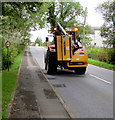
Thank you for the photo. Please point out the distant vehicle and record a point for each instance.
(65, 52)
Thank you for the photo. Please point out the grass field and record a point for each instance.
(101, 64)
(9, 81)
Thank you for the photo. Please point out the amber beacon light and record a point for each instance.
(55, 28)
(75, 29)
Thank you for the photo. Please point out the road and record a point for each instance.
(87, 96)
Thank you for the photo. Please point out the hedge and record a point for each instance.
(102, 54)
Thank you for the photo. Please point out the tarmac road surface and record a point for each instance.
(87, 96)
(34, 97)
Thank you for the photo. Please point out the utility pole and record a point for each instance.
(84, 25)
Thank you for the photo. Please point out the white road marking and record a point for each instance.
(100, 79)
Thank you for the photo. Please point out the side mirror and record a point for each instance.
(47, 39)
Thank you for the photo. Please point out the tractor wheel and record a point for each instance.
(46, 60)
(51, 63)
(80, 70)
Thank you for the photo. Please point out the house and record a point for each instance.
(97, 40)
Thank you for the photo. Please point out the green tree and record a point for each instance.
(83, 33)
(18, 18)
(38, 41)
(66, 13)
(69, 14)
(107, 9)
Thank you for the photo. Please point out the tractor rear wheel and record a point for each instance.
(80, 70)
(51, 63)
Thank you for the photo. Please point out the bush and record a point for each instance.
(93, 53)
(102, 54)
(111, 56)
(4, 58)
(14, 50)
(20, 47)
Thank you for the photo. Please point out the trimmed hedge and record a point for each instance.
(102, 54)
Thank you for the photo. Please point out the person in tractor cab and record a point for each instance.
(75, 44)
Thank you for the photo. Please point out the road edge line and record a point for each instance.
(70, 113)
(101, 79)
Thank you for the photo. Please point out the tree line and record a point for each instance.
(17, 19)
(107, 10)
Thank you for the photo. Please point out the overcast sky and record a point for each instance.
(94, 18)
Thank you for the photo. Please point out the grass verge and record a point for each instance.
(9, 79)
(101, 64)
(0, 95)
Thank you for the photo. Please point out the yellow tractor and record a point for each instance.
(65, 52)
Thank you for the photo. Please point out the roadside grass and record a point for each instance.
(45, 47)
(101, 64)
(0, 95)
(9, 81)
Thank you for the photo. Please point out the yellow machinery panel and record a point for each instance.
(78, 57)
(66, 47)
(59, 48)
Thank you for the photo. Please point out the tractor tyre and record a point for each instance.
(80, 70)
(46, 60)
(51, 63)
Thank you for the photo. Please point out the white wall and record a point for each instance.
(97, 38)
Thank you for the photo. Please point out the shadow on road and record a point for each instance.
(65, 72)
